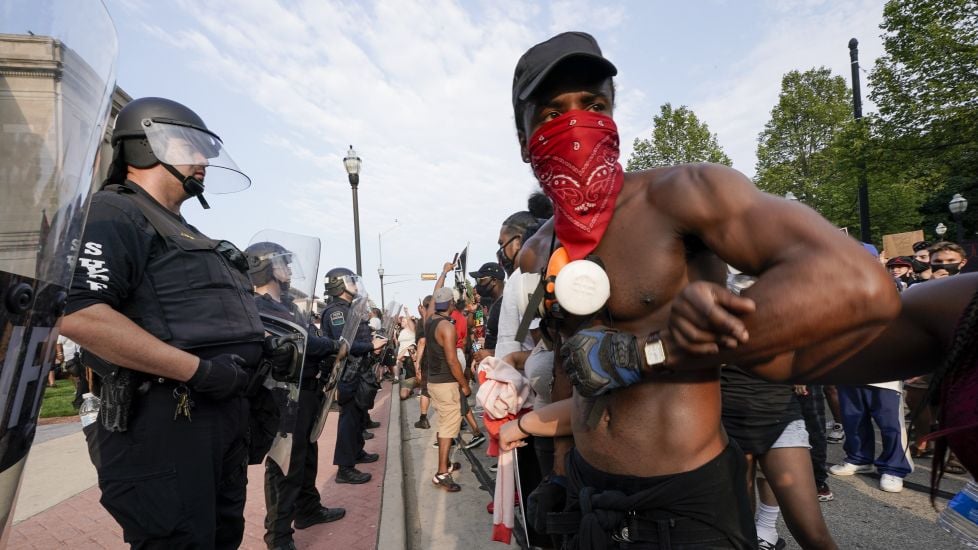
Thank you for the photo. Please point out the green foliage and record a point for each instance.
(926, 88)
(678, 137)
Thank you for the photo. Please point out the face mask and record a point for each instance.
(505, 261)
(575, 159)
(484, 291)
(919, 266)
(952, 269)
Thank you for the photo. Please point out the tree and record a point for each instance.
(812, 109)
(678, 137)
(926, 88)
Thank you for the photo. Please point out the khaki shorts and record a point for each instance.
(409, 383)
(445, 397)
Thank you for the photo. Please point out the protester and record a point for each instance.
(901, 269)
(946, 259)
(490, 282)
(424, 400)
(446, 383)
(159, 307)
(652, 232)
(812, 399)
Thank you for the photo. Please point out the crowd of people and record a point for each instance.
(641, 336)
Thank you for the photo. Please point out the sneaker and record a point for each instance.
(836, 434)
(446, 482)
(765, 545)
(824, 493)
(323, 515)
(477, 439)
(435, 444)
(891, 483)
(847, 469)
(493, 467)
(422, 423)
(367, 435)
(348, 474)
(367, 458)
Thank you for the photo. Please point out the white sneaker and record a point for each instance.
(836, 434)
(890, 483)
(846, 469)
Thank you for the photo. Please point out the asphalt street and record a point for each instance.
(861, 516)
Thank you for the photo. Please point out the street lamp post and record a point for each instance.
(957, 206)
(941, 229)
(380, 273)
(857, 114)
(352, 164)
(380, 255)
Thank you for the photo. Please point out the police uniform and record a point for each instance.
(169, 481)
(294, 496)
(349, 437)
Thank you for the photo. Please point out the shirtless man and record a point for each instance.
(650, 449)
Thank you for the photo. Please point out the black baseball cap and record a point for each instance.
(489, 269)
(540, 60)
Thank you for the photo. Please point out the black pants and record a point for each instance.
(175, 483)
(706, 508)
(349, 431)
(813, 410)
(294, 495)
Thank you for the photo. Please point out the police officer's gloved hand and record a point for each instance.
(280, 351)
(220, 377)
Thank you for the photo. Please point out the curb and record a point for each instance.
(393, 530)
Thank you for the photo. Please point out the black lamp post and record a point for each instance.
(352, 164)
(857, 113)
(957, 206)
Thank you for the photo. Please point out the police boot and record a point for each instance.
(287, 545)
(366, 458)
(367, 435)
(351, 475)
(372, 424)
(322, 515)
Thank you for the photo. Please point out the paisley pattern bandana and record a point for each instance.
(575, 159)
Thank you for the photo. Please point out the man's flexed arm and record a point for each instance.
(814, 283)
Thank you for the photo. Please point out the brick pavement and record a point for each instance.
(81, 523)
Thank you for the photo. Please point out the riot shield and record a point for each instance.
(284, 266)
(359, 313)
(59, 60)
(388, 356)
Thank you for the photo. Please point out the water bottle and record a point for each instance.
(960, 518)
(88, 412)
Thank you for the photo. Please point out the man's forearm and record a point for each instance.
(115, 338)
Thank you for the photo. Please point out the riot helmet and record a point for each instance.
(269, 261)
(340, 279)
(154, 130)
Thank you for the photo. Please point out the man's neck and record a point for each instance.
(272, 290)
(160, 187)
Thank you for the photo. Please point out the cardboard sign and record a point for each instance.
(901, 244)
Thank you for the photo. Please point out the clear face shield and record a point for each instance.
(294, 260)
(354, 285)
(183, 145)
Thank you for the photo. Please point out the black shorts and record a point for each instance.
(703, 508)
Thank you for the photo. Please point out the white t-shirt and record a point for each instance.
(70, 348)
(375, 324)
(515, 296)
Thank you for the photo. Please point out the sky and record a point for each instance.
(422, 90)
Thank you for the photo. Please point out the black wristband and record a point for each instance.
(519, 425)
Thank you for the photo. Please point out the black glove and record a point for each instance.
(547, 497)
(220, 377)
(599, 360)
(280, 352)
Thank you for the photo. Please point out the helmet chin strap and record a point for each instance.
(193, 186)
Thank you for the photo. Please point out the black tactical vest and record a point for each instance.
(192, 294)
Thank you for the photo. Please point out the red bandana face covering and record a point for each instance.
(575, 158)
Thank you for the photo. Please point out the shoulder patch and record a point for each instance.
(336, 319)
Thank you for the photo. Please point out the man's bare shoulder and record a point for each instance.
(536, 251)
(696, 191)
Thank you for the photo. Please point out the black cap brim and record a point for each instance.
(599, 61)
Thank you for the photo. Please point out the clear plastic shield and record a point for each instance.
(391, 312)
(59, 59)
(182, 145)
(289, 260)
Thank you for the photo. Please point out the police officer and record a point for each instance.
(169, 313)
(342, 286)
(292, 497)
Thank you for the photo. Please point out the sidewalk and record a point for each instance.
(58, 503)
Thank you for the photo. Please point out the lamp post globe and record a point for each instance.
(790, 196)
(957, 206)
(352, 164)
(941, 229)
